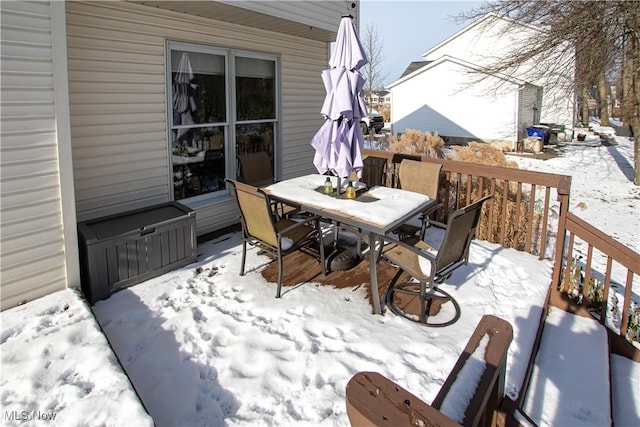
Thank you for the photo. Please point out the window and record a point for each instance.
(223, 105)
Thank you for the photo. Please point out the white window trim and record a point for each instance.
(231, 119)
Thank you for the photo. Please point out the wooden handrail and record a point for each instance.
(616, 250)
(561, 182)
(569, 271)
(519, 216)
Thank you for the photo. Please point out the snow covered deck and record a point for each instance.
(203, 345)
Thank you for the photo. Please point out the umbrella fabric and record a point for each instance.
(348, 51)
(339, 142)
(344, 94)
(185, 72)
(183, 104)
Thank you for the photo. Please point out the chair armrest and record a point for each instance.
(298, 224)
(418, 251)
(431, 209)
(278, 205)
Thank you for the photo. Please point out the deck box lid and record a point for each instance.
(116, 225)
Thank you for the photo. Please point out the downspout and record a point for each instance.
(63, 142)
(516, 133)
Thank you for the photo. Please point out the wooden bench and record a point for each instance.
(374, 400)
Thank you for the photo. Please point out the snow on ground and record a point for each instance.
(58, 369)
(208, 347)
(602, 189)
(213, 348)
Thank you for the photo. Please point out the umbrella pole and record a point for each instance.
(338, 189)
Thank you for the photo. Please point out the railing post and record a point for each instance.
(564, 187)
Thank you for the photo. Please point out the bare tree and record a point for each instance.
(597, 39)
(373, 47)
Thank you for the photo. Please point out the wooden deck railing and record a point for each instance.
(522, 214)
(592, 266)
(529, 212)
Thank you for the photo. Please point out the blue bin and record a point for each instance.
(539, 132)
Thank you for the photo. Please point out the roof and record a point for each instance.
(424, 65)
(415, 65)
(446, 58)
(478, 23)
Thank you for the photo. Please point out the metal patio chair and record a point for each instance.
(277, 236)
(424, 178)
(431, 266)
(255, 168)
(374, 171)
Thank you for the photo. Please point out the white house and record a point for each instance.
(442, 94)
(381, 98)
(93, 122)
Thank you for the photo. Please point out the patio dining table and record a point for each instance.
(376, 211)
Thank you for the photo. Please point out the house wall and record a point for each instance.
(489, 38)
(118, 102)
(436, 100)
(38, 238)
(529, 97)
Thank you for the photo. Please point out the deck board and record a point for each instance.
(300, 268)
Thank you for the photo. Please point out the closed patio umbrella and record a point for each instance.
(183, 104)
(339, 142)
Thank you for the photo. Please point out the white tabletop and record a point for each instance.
(393, 205)
(184, 160)
(385, 209)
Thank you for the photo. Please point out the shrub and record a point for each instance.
(594, 299)
(484, 154)
(504, 217)
(386, 113)
(417, 142)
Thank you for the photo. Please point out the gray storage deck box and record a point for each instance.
(125, 249)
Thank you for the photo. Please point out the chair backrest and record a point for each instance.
(256, 169)
(374, 171)
(255, 212)
(217, 142)
(396, 160)
(461, 229)
(420, 177)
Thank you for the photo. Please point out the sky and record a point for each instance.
(407, 29)
(205, 346)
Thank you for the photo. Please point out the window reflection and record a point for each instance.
(201, 123)
(198, 99)
(254, 148)
(200, 169)
(255, 89)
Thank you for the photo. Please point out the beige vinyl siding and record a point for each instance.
(32, 261)
(116, 54)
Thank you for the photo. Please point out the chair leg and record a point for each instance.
(425, 302)
(279, 274)
(387, 298)
(323, 263)
(244, 256)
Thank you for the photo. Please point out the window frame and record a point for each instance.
(231, 122)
